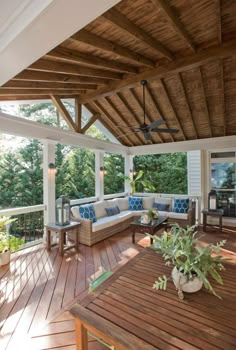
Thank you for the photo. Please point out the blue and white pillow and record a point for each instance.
(135, 203)
(181, 205)
(112, 211)
(87, 212)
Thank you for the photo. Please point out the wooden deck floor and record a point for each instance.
(39, 287)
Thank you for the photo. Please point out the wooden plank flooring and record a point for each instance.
(39, 287)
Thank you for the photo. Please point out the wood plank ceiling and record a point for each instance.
(184, 48)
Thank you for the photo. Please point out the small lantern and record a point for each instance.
(62, 211)
(212, 200)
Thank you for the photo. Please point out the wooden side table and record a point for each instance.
(62, 230)
(217, 213)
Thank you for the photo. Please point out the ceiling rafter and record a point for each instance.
(108, 115)
(22, 84)
(106, 45)
(78, 114)
(167, 95)
(64, 113)
(156, 104)
(205, 100)
(66, 68)
(69, 55)
(91, 121)
(174, 21)
(19, 92)
(131, 28)
(113, 106)
(179, 65)
(219, 23)
(131, 111)
(31, 75)
(222, 87)
(136, 98)
(184, 92)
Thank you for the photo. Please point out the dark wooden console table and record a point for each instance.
(217, 213)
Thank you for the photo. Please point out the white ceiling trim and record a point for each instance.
(26, 128)
(52, 23)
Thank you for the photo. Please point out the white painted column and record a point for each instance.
(99, 175)
(194, 166)
(128, 166)
(48, 182)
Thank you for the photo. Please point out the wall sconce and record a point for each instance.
(52, 168)
(132, 172)
(103, 170)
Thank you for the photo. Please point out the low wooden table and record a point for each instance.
(217, 213)
(128, 313)
(152, 228)
(62, 230)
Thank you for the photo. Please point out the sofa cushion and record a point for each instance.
(111, 203)
(164, 200)
(123, 203)
(161, 206)
(99, 208)
(75, 211)
(148, 202)
(135, 203)
(87, 212)
(109, 221)
(181, 205)
(171, 215)
(112, 211)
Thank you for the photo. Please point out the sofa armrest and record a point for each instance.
(192, 214)
(85, 225)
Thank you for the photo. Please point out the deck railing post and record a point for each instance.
(99, 175)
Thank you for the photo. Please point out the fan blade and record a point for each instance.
(147, 136)
(169, 131)
(156, 123)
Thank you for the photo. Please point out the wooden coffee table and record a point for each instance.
(152, 228)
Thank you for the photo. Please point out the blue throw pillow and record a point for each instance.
(135, 203)
(112, 211)
(161, 206)
(181, 205)
(87, 212)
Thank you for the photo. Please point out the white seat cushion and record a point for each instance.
(99, 208)
(111, 203)
(148, 202)
(123, 203)
(109, 221)
(75, 211)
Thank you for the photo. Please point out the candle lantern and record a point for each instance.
(62, 211)
(212, 200)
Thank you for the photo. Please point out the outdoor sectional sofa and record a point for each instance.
(106, 223)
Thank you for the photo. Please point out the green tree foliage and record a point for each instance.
(114, 165)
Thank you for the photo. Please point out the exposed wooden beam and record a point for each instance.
(131, 28)
(27, 98)
(91, 121)
(9, 91)
(66, 68)
(106, 45)
(112, 129)
(31, 75)
(180, 65)
(174, 21)
(184, 92)
(219, 24)
(155, 103)
(78, 114)
(21, 84)
(64, 113)
(124, 120)
(136, 98)
(167, 95)
(69, 55)
(133, 114)
(205, 101)
(222, 89)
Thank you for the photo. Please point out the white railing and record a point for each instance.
(115, 195)
(21, 210)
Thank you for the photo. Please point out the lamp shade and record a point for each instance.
(62, 211)
(212, 200)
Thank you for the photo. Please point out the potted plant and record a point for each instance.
(147, 185)
(192, 262)
(8, 243)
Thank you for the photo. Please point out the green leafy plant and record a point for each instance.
(136, 180)
(7, 241)
(152, 214)
(181, 248)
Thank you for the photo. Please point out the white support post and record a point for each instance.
(48, 182)
(128, 166)
(99, 175)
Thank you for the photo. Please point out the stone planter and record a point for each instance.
(182, 284)
(5, 258)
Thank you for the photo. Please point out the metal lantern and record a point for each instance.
(212, 200)
(62, 211)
